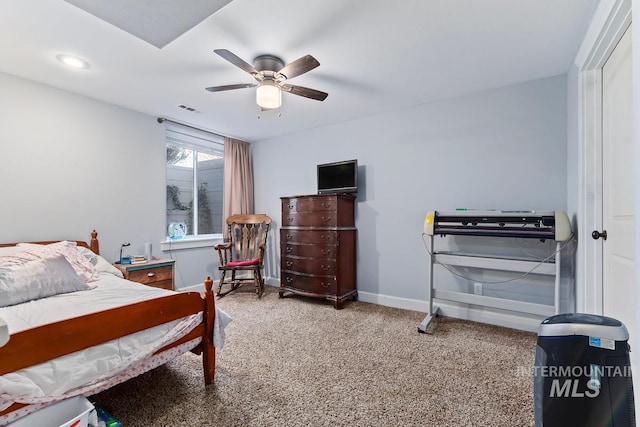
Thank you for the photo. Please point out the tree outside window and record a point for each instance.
(194, 187)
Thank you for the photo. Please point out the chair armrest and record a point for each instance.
(224, 253)
(222, 246)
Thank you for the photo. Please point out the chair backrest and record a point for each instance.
(247, 233)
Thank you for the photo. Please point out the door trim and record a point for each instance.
(610, 21)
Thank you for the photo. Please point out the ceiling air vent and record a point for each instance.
(186, 107)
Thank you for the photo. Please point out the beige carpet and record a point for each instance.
(299, 362)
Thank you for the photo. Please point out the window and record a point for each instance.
(195, 167)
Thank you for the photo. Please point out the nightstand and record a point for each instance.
(157, 273)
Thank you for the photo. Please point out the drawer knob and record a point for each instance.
(326, 218)
(289, 236)
(289, 263)
(289, 279)
(326, 205)
(325, 267)
(291, 206)
(324, 285)
(151, 274)
(289, 249)
(325, 252)
(290, 219)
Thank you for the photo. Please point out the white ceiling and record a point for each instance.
(375, 55)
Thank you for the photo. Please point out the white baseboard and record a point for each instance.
(459, 311)
(449, 309)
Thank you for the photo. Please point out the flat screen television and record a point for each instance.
(338, 177)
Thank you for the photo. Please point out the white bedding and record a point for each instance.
(73, 372)
(109, 292)
(94, 369)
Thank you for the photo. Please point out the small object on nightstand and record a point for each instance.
(139, 259)
(157, 273)
(122, 259)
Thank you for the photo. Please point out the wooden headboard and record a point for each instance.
(93, 244)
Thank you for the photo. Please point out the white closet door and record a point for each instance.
(618, 187)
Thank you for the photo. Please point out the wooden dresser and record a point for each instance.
(318, 247)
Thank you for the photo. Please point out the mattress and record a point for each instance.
(59, 376)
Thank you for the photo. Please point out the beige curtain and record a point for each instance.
(238, 180)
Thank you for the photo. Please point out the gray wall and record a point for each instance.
(499, 149)
(70, 164)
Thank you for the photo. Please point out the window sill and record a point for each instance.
(191, 243)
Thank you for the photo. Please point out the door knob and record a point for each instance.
(596, 234)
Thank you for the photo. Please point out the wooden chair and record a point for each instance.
(243, 252)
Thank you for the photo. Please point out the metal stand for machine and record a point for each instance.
(560, 231)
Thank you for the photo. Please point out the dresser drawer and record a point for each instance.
(308, 236)
(309, 204)
(310, 219)
(151, 276)
(310, 251)
(315, 285)
(320, 266)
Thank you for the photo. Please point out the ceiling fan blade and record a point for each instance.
(299, 66)
(230, 87)
(237, 61)
(305, 91)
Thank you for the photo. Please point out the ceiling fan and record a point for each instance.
(271, 75)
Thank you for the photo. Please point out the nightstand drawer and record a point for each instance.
(148, 276)
(158, 273)
(164, 284)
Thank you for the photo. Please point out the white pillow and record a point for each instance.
(10, 250)
(99, 263)
(27, 280)
(70, 251)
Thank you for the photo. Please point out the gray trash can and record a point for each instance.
(582, 373)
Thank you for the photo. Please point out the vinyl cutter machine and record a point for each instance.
(543, 225)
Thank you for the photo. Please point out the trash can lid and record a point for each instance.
(583, 324)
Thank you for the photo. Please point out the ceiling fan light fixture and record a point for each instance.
(268, 95)
(271, 74)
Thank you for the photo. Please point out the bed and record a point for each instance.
(73, 337)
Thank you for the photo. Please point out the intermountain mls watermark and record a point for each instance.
(565, 380)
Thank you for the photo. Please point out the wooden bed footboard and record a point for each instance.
(46, 342)
(43, 343)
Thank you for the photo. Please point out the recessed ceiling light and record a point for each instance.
(72, 61)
